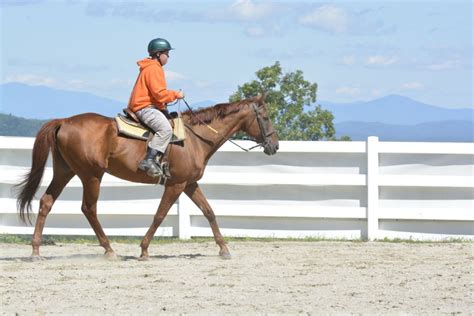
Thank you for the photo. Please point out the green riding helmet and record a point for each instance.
(158, 45)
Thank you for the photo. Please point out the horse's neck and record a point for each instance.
(210, 141)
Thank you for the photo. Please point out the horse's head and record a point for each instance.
(259, 126)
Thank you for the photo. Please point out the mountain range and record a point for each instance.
(40, 102)
(391, 118)
(398, 118)
(394, 109)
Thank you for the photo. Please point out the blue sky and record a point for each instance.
(354, 50)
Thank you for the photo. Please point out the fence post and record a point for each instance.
(184, 219)
(372, 187)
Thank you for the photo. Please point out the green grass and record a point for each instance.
(415, 241)
(53, 239)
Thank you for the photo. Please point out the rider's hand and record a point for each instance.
(180, 94)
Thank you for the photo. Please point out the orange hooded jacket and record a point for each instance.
(150, 88)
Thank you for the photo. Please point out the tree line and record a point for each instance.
(16, 126)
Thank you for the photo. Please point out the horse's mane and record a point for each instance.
(218, 111)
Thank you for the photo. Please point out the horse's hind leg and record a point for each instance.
(196, 195)
(89, 208)
(61, 176)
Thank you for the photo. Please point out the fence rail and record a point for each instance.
(367, 190)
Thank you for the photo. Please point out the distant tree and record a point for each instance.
(345, 138)
(290, 102)
(16, 126)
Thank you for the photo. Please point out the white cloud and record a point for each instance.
(56, 83)
(351, 91)
(328, 18)
(121, 83)
(33, 80)
(414, 85)
(203, 84)
(376, 92)
(255, 31)
(449, 64)
(69, 84)
(249, 10)
(76, 84)
(379, 60)
(348, 60)
(174, 76)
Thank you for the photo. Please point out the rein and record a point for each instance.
(224, 137)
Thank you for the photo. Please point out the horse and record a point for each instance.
(89, 145)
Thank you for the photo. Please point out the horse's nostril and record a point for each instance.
(277, 147)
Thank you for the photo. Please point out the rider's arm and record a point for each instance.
(156, 84)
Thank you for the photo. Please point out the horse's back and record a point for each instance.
(88, 118)
(87, 140)
(89, 127)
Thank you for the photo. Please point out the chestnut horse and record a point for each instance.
(88, 145)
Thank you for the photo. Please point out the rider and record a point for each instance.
(149, 98)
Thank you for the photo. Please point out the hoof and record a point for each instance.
(111, 256)
(225, 255)
(144, 258)
(35, 258)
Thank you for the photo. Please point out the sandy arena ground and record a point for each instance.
(262, 277)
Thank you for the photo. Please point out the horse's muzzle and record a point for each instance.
(271, 148)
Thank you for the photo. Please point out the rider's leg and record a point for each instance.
(158, 122)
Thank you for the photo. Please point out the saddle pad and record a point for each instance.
(135, 130)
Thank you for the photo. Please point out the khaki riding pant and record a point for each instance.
(158, 122)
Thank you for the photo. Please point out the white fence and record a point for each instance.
(369, 190)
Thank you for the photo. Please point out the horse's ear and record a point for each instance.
(261, 97)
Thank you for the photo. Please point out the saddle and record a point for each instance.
(128, 124)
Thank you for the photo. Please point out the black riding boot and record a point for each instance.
(150, 164)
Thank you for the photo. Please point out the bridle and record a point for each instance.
(264, 133)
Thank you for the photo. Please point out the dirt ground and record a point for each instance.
(262, 277)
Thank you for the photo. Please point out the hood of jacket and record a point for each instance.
(147, 62)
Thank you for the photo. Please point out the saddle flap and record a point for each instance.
(179, 132)
(131, 128)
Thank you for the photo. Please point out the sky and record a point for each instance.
(353, 50)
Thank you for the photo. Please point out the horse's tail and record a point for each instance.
(26, 189)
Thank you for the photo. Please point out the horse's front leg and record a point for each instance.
(170, 196)
(196, 195)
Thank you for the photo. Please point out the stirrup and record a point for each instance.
(151, 168)
(165, 168)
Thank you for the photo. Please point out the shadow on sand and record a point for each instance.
(99, 257)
